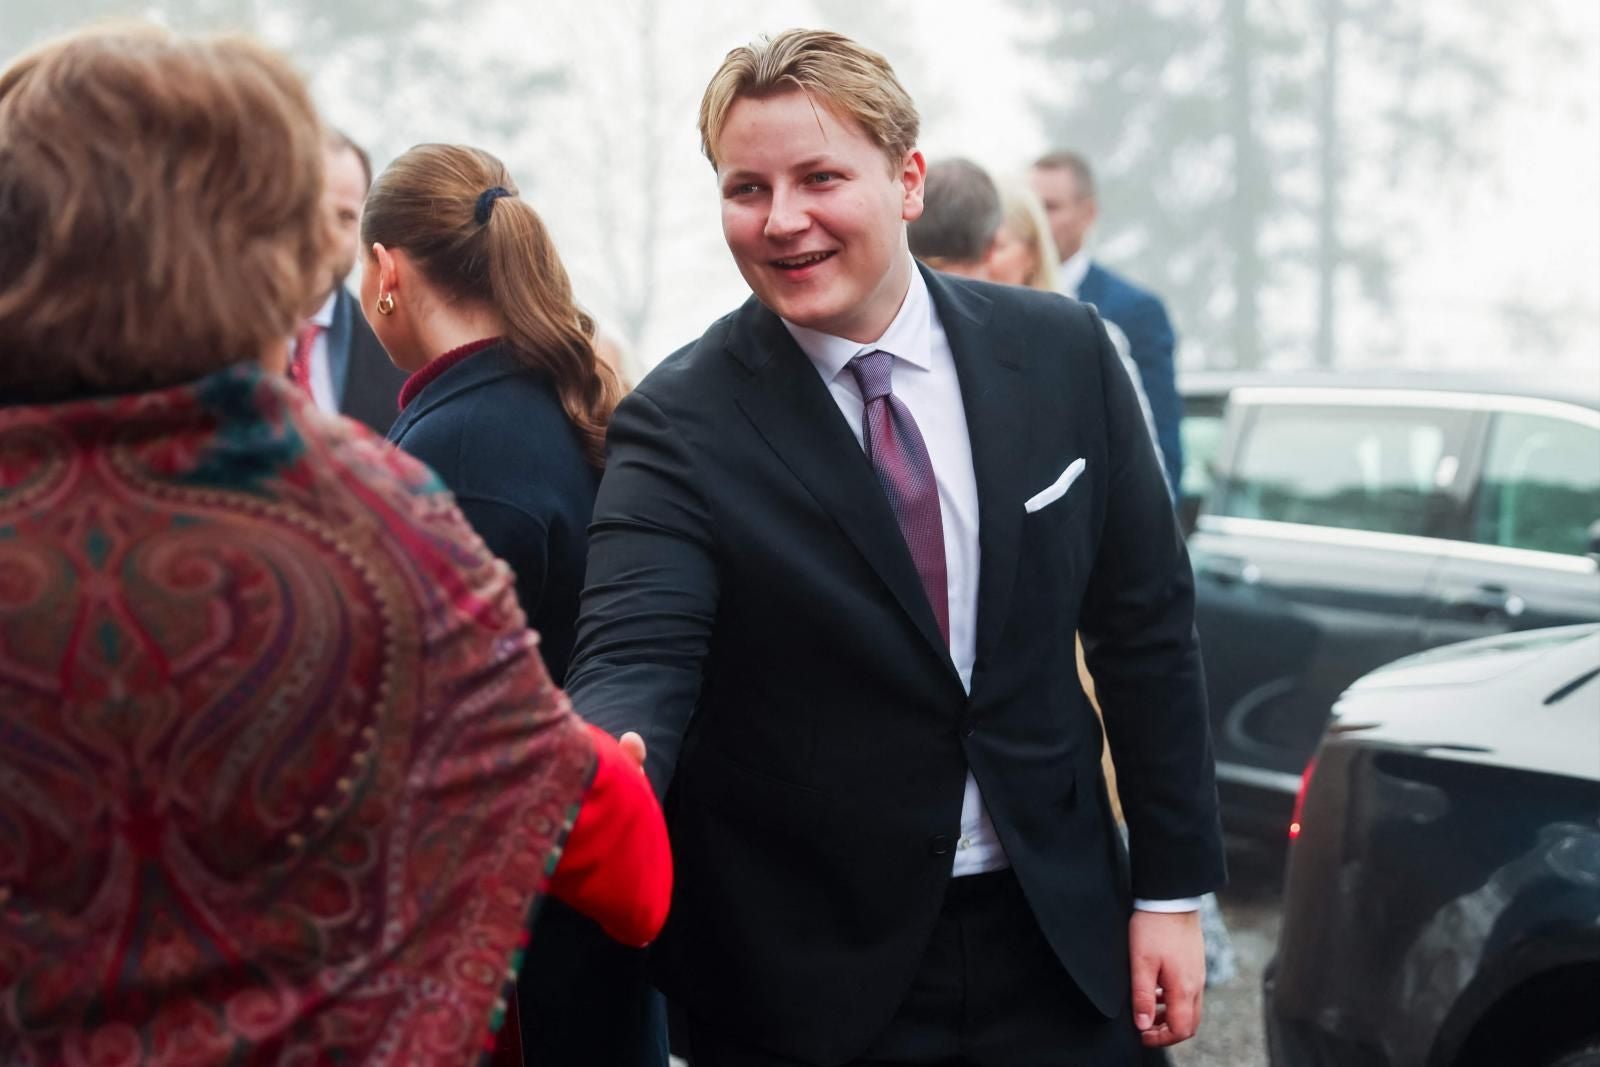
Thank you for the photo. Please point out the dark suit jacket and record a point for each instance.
(366, 383)
(745, 568)
(1143, 317)
(495, 432)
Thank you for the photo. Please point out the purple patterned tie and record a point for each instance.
(894, 445)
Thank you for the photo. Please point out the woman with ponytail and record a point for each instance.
(506, 400)
(508, 403)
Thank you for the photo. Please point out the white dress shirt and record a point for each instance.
(1073, 270)
(924, 379)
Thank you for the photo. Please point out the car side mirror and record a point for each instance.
(1592, 546)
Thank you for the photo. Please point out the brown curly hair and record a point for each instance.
(161, 204)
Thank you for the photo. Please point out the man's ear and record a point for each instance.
(913, 175)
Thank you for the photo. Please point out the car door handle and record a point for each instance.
(1229, 570)
(1486, 600)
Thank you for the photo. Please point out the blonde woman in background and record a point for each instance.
(1024, 252)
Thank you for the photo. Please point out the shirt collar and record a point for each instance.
(1073, 270)
(324, 315)
(907, 337)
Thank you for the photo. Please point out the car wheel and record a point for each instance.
(1585, 1055)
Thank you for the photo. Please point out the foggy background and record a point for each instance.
(1342, 183)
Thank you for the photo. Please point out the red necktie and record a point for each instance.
(894, 445)
(305, 339)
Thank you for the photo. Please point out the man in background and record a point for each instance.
(960, 217)
(958, 233)
(334, 355)
(1065, 184)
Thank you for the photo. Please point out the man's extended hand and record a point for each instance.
(632, 746)
(1169, 975)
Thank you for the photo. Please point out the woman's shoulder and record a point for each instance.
(507, 437)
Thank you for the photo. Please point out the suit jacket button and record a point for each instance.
(969, 729)
(940, 845)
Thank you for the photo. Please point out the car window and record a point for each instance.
(1541, 484)
(1343, 465)
(1200, 433)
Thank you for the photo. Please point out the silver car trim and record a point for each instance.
(1431, 546)
(1276, 781)
(1416, 398)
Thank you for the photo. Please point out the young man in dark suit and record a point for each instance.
(334, 354)
(1065, 185)
(839, 556)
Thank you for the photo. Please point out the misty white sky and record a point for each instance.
(1526, 228)
(614, 156)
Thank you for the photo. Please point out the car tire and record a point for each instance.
(1586, 1054)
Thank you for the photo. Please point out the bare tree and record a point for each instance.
(398, 64)
(1176, 103)
(1253, 149)
(1433, 85)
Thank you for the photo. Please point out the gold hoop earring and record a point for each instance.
(386, 304)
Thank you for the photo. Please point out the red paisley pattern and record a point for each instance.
(280, 768)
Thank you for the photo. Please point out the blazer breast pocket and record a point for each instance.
(1056, 489)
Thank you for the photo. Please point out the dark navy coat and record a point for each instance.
(1151, 341)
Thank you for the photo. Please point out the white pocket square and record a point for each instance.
(1058, 488)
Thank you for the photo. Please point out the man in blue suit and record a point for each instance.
(1065, 184)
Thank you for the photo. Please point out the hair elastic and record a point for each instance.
(486, 201)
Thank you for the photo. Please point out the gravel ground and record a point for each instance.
(1230, 1034)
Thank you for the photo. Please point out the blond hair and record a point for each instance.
(434, 202)
(161, 198)
(853, 81)
(1023, 215)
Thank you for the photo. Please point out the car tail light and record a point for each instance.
(1300, 799)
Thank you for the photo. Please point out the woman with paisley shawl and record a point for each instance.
(281, 772)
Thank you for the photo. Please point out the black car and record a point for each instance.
(1442, 906)
(1349, 523)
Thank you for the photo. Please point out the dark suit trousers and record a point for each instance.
(989, 993)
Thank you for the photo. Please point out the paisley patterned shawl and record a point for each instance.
(280, 768)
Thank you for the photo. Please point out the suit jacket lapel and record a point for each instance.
(995, 397)
(1092, 288)
(339, 343)
(793, 411)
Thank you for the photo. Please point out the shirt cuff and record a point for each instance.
(1168, 906)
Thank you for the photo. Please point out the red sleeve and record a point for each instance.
(616, 867)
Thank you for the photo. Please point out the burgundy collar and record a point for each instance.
(438, 365)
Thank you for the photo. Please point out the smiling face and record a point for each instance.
(814, 214)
